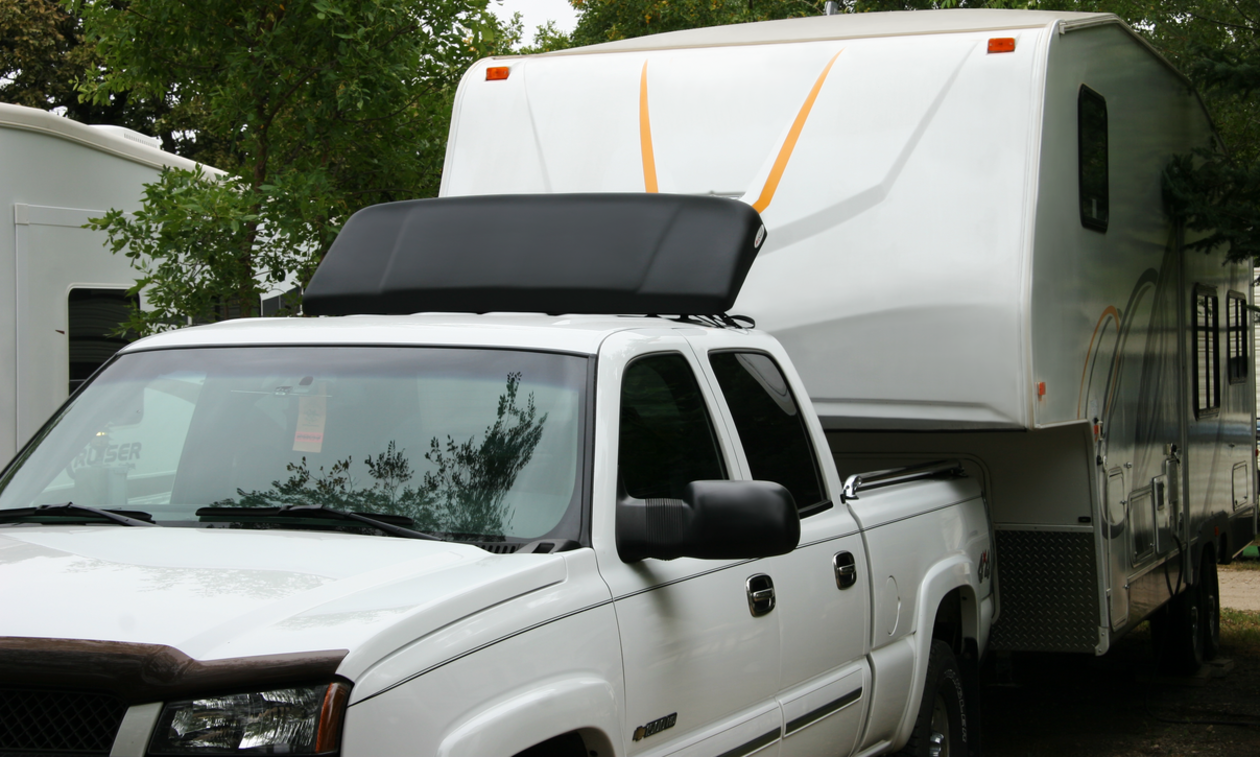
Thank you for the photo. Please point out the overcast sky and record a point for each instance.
(535, 13)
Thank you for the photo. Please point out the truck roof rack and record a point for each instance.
(554, 253)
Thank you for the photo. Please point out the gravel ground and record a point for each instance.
(1115, 705)
(1240, 589)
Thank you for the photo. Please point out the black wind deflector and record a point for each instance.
(558, 253)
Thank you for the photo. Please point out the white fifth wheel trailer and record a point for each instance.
(61, 291)
(967, 256)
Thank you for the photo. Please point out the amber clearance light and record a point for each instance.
(497, 73)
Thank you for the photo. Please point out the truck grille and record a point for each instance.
(48, 723)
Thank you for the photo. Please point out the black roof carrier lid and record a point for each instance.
(552, 253)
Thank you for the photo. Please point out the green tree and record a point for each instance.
(1216, 191)
(314, 109)
(465, 492)
(608, 20)
(41, 54)
(44, 57)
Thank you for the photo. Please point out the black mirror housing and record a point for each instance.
(715, 520)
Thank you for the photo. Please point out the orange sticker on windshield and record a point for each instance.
(312, 413)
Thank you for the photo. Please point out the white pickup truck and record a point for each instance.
(489, 533)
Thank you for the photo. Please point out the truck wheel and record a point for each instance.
(941, 727)
(1210, 606)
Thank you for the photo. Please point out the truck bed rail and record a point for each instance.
(877, 479)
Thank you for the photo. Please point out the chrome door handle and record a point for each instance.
(846, 570)
(760, 594)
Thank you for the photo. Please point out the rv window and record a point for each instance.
(1237, 357)
(93, 318)
(1207, 360)
(1091, 124)
(667, 438)
(770, 426)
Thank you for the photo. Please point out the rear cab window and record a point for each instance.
(770, 424)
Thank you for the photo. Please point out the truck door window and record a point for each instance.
(1237, 356)
(772, 429)
(666, 438)
(1207, 356)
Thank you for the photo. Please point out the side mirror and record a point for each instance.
(715, 520)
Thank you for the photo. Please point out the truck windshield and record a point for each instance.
(468, 444)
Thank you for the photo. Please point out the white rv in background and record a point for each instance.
(61, 291)
(967, 256)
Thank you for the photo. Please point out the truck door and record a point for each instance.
(822, 589)
(700, 638)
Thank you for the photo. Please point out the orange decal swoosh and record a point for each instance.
(645, 135)
(789, 144)
(1109, 311)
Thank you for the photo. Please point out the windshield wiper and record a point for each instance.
(376, 521)
(39, 513)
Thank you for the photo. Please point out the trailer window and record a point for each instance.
(666, 436)
(1091, 124)
(1207, 360)
(93, 318)
(1236, 356)
(770, 425)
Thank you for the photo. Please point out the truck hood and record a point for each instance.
(219, 593)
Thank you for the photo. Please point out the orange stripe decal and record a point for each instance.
(1110, 311)
(645, 135)
(789, 144)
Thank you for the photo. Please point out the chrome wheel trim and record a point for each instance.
(938, 739)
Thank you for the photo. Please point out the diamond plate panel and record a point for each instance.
(1049, 592)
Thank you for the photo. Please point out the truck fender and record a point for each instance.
(530, 716)
(954, 572)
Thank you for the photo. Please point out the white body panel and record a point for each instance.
(455, 651)
(893, 114)
(55, 174)
(927, 266)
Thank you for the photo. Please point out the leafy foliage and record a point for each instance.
(1214, 191)
(317, 108)
(41, 53)
(1218, 196)
(196, 243)
(471, 481)
(607, 20)
(465, 492)
(43, 57)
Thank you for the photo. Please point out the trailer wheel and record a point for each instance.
(940, 730)
(1177, 631)
(1210, 606)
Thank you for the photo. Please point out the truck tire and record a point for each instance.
(1210, 607)
(940, 730)
(568, 745)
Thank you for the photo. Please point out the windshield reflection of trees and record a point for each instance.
(464, 494)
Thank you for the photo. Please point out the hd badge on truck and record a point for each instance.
(655, 727)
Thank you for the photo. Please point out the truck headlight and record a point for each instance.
(300, 720)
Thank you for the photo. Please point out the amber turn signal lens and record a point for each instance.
(1002, 45)
(328, 735)
(498, 73)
